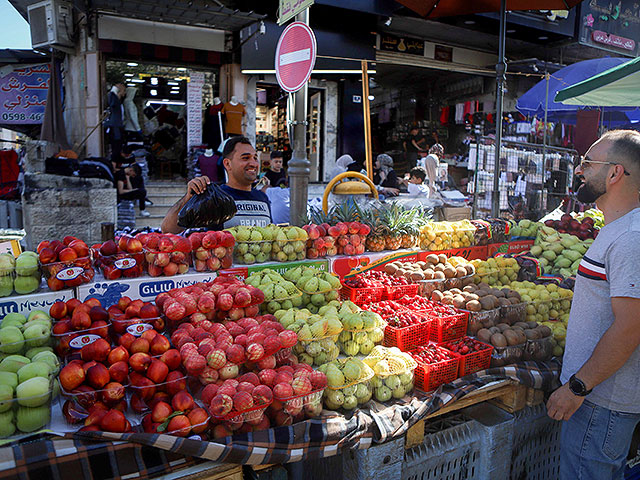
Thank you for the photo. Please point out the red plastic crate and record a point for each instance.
(474, 362)
(361, 295)
(430, 376)
(407, 338)
(447, 329)
(396, 291)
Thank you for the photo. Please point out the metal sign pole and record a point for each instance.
(299, 165)
(367, 120)
(501, 68)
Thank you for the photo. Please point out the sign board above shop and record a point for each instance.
(23, 94)
(290, 8)
(612, 26)
(411, 46)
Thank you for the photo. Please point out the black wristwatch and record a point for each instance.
(578, 387)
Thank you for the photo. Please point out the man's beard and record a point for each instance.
(589, 193)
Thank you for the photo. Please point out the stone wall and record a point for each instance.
(54, 206)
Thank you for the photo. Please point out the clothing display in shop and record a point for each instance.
(213, 134)
(444, 115)
(208, 163)
(234, 112)
(587, 126)
(459, 113)
(131, 123)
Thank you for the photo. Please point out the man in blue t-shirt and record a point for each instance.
(241, 164)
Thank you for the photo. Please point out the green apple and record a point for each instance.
(32, 419)
(34, 369)
(7, 263)
(27, 264)
(32, 352)
(37, 321)
(11, 340)
(17, 316)
(6, 397)
(36, 335)
(34, 392)
(7, 425)
(6, 286)
(34, 314)
(9, 378)
(13, 363)
(24, 285)
(49, 358)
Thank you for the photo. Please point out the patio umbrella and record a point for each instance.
(539, 98)
(443, 8)
(617, 87)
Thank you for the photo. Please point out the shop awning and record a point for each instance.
(617, 87)
(446, 8)
(194, 12)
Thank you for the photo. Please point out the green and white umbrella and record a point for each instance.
(617, 87)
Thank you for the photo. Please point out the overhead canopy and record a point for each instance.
(617, 87)
(447, 8)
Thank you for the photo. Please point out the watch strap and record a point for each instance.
(578, 387)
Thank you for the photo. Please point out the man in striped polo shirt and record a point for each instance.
(599, 400)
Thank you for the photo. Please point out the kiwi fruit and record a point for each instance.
(487, 303)
(532, 324)
(504, 302)
(497, 293)
(514, 300)
(522, 325)
(498, 340)
(469, 288)
(544, 331)
(522, 338)
(532, 334)
(494, 330)
(494, 299)
(511, 336)
(484, 335)
(503, 327)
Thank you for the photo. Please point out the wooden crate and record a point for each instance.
(512, 401)
(534, 397)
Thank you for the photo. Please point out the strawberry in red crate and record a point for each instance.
(210, 249)
(405, 318)
(121, 258)
(429, 354)
(414, 302)
(384, 308)
(436, 366)
(466, 346)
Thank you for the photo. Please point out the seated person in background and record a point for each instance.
(131, 186)
(415, 182)
(384, 175)
(241, 164)
(275, 173)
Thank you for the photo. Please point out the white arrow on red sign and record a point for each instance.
(295, 56)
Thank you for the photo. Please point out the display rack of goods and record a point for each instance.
(445, 322)
(463, 234)
(473, 355)
(317, 333)
(363, 288)
(343, 238)
(279, 294)
(525, 229)
(348, 383)
(134, 317)
(252, 244)
(120, 258)
(26, 392)
(181, 417)
(209, 249)
(362, 331)
(65, 264)
(583, 229)
(168, 254)
(508, 342)
(500, 230)
(289, 244)
(318, 286)
(482, 234)
(436, 272)
(406, 329)
(393, 373)
(545, 302)
(79, 325)
(297, 392)
(20, 275)
(435, 366)
(20, 334)
(225, 297)
(559, 253)
(436, 236)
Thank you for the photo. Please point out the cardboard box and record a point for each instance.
(144, 288)
(453, 214)
(35, 301)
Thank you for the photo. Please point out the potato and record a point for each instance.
(459, 301)
(461, 272)
(484, 335)
(470, 288)
(474, 306)
(416, 276)
(432, 258)
(390, 268)
(498, 340)
(449, 272)
(439, 268)
(447, 300)
(442, 258)
(428, 274)
(437, 296)
(467, 281)
(470, 269)
(455, 291)
(421, 264)
(473, 296)
(439, 276)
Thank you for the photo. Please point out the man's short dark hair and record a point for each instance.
(230, 146)
(137, 169)
(418, 172)
(276, 154)
(625, 146)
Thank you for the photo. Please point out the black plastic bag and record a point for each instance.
(208, 209)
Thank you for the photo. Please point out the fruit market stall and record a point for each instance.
(277, 344)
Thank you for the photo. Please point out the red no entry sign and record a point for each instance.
(295, 56)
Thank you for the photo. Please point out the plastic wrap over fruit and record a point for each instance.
(211, 208)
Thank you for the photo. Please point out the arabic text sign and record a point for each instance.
(290, 8)
(613, 40)
(23, 95)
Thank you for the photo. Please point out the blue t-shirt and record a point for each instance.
(254, 208)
